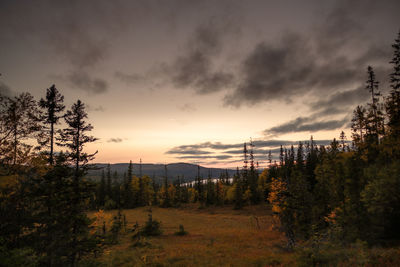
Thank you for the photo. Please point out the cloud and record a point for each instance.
(86, 82)
(78, 45)
(219, 157)
(115, 140)
(332, 56)
(99, 108)
(187, 107)
(5, 89)
(342, 99)
(129, 78)
(82, 80)
(180, 150)
(67, 31)
(231, 153)
(306, 124)
(194, 67)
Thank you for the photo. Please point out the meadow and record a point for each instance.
(217, 236)
(221, 236)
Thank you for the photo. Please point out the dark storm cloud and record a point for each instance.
(330, 57)
(115, 140)
(67, 29)
(342, 99)
(290, 69)
(338, 103)
(194, 67)
(306, 124)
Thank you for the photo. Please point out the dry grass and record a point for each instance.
(217, 236)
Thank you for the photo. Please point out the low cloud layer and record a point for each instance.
(304, 124)
(115, 140)
(233, 153)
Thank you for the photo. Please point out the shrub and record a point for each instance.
(181, 231)
(152, 227)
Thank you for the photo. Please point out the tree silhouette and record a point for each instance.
(51, 106)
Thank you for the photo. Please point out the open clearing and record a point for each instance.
(217, 236)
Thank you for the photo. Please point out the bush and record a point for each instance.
(152, 227)
(181, 231)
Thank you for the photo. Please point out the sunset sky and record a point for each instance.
(190, 81)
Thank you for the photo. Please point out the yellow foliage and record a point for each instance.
(230, 194)
(192, 194)
(275, 195)
(100, 219)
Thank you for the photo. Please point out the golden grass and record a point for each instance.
(217, 236)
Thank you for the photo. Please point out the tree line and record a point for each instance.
(346, 192)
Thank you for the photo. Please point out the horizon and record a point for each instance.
(192, 81)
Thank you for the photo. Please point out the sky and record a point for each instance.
(191, 81)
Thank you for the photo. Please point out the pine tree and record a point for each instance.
(358, 125)
(128, 192)
(102, 190)
(393, 102)
(374, 124)
(166, 201)
(74, 137)
(343, 140)
(253, 177)
(269, 158)
(51, 106)
(141, 201)
(108, 182)
(199, 186)
(210, 197)
(245, 167)
(238, 192)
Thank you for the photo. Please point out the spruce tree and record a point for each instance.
(238, 192)
(253, 177)
(108, 182)
(102, 190)
(358, 125)
(393, 102)
(374, 124)
(51, 106)
(74, 137)
(128, 197)
(166, 201)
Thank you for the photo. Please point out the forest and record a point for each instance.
(53, 215)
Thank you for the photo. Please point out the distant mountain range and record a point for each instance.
(186, 171)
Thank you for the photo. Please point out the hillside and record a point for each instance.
(186, 171)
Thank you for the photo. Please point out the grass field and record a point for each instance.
(220, 236)
(216, 237)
